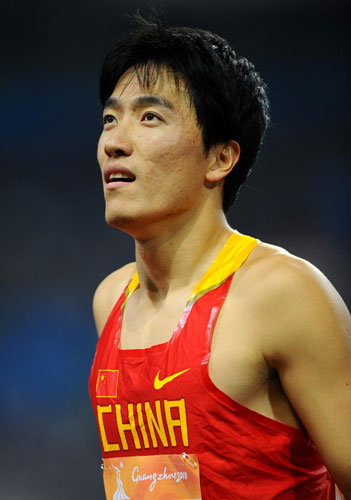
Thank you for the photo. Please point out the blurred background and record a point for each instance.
(55, 244)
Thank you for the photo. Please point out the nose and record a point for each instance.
(118, 142)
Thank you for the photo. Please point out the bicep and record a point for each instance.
(102, 305)
(99, 309)
(313, 359)
(107, 294)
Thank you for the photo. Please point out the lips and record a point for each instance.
(117, 173)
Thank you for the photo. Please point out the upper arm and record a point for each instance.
(108, 292)
(310, 348)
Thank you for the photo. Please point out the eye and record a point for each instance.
(151, 117)
(108, 119)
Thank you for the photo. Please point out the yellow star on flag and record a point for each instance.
(106, 384)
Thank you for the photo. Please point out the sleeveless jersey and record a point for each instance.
(161, 400)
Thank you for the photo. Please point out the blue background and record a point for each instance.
(55, 244)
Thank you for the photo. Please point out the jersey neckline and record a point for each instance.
(233, 254)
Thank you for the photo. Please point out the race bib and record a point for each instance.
(161, 477)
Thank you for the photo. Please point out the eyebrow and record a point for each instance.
(140, 101)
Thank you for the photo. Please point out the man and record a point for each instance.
(233, 355)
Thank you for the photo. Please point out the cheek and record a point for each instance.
(100, 151)
(175, 149)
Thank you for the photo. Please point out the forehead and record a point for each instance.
(163, 83)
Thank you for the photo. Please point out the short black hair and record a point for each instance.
(228, 94)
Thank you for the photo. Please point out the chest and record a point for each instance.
(235, 336)
(144, 326)
(235, 362)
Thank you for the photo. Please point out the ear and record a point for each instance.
(223, 159)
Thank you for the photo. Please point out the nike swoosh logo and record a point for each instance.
(158, 384)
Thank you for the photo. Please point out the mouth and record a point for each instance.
(116, 176)
(119, 177)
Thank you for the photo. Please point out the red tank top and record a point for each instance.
(161, 401)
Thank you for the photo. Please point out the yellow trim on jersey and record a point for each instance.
(133, 284)
(234, 253)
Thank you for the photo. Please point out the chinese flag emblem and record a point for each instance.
(106, 385)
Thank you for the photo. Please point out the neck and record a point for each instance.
(178, 256)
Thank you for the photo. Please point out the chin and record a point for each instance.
(118, 221)
(126, 221)
(139, 222)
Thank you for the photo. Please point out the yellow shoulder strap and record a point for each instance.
(234, 253)
(132, 285)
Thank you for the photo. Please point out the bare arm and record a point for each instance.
(108, 292)
(310, 347)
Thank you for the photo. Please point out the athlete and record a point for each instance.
(217, 349)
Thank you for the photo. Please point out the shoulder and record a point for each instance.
(305, 335)
(108, 292)
(294, 301)
(279, 277)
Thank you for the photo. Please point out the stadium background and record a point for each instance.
(55, 245)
